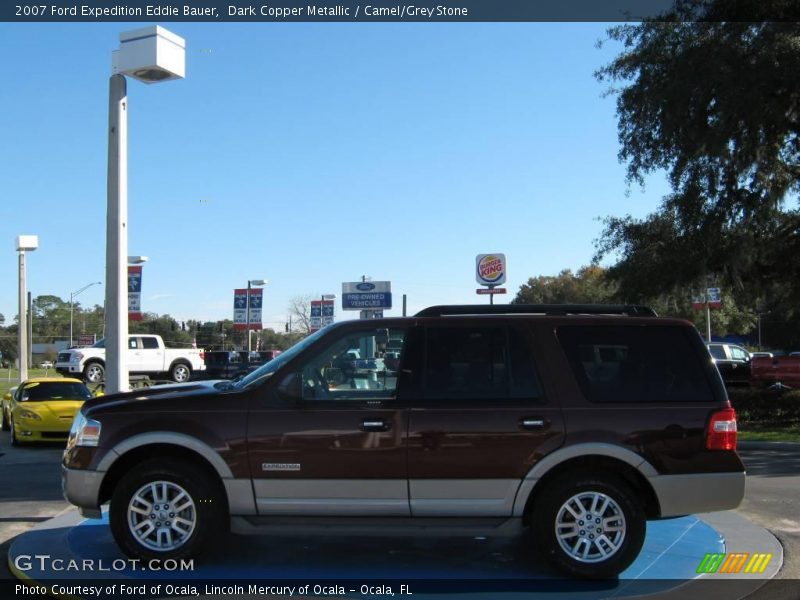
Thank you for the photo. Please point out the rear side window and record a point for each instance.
(717, 351)
(149, 343)
(482, 363)
(636, 364)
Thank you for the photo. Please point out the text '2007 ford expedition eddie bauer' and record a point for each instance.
(579, 422)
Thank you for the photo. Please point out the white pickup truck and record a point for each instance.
(147, 355)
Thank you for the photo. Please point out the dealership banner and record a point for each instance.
(321, 314)
(240, 306)
(135, 293)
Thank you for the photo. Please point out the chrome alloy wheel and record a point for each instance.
(161, 516)
(590, 527)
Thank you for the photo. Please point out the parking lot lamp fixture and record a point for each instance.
(250, 284)
(150, 54)
(25, 243)
(71, 303)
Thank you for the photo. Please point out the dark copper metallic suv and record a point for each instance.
(581, 422)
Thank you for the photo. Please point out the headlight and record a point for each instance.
(24, 413)
(76, 357)
(84, 432)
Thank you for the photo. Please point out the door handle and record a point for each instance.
(374, 425)
(533, 423)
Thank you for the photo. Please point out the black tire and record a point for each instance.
(180, 372)
(14, 438)
(94, 372)
(550, 516)
(4, 425)
(207, 513)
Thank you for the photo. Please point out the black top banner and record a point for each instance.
(371, 11)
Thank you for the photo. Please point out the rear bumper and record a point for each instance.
(698, 492)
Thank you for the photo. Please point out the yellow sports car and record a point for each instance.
(42, 409)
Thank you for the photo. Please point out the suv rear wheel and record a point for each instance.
(589, 526)
(165, 509)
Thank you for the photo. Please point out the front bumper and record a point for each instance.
(68, 369)
(82, 488)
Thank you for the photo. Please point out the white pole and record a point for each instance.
(116, 298)
(23, 321)
(247, 319)
(70, 320)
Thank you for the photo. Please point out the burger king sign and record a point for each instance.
(490, 269)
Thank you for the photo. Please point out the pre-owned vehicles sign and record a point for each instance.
(361, 295)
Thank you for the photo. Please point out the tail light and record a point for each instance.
(721, 432)
(202, 355)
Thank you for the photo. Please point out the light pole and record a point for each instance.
(25, 243)
(150, 54)
(250, 283)
(71, 299)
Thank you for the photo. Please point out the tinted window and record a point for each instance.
(636, 364)
(55, 391)
(717, 351)
(149, 343)
(482, 363)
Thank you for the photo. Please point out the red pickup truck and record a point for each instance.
(766, 371)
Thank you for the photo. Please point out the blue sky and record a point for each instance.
(312, 154)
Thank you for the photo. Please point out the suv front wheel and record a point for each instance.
(165, 509)
(589, 526)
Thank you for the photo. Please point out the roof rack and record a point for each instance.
(631, 310)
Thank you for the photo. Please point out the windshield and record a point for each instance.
(69, 391)
(266, 370)
(101, 343)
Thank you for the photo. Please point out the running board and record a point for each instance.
(378, 526)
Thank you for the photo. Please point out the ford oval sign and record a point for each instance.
(365, 286)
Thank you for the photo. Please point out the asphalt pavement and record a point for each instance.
(772, 500)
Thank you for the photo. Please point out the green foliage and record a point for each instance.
(588, 285)
(766, 408)
(716, 104)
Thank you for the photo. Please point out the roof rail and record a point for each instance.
(631, 310)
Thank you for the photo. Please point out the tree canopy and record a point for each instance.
(715, 104)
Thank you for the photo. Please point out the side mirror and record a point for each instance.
(291, 387)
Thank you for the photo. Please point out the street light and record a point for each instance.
(250, 283)
(150, 54)
(25, 243)
(71, 298)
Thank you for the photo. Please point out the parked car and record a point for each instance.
(470, 433)
(781, 371)
(42, 409)
(733, 363)
(147, 355)
(5, 417)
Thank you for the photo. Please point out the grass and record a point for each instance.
(748, 433)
